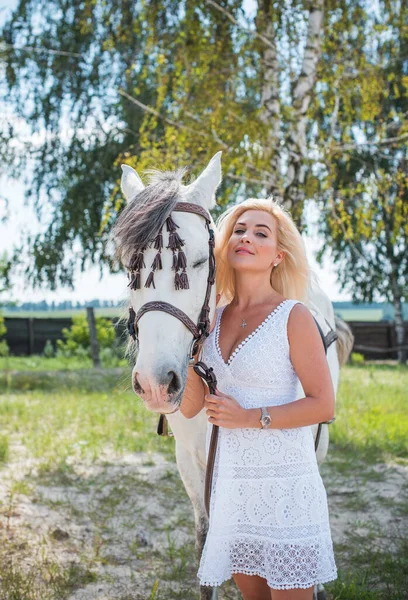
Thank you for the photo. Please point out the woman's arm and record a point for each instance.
(193, 397)
(310, 363)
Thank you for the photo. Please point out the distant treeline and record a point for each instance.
(65, 305)
(69, 305)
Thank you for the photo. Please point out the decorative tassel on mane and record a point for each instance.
(150, 280)
(184, 281)
(157, 263)
(182, 261)
(171, 225)
(158, 242)
(179, 261)
(138, 263)
(178, 241)
(134, 283)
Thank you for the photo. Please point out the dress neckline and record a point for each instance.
(246, 340)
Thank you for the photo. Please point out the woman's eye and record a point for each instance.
(258, 233)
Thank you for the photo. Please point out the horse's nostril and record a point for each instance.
(136, 385)
(174, 385)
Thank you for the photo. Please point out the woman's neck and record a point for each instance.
(253, 289)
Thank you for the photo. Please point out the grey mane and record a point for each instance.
(140, 221)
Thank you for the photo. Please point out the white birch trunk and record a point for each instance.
(302, 93)
(398, 317)
(270, 98)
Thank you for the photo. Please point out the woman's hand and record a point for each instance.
(225, 411)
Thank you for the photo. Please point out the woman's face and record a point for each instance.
(253, 245)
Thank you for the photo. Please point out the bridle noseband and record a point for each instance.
(201, 330)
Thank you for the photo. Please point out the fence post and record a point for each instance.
(94, 339)
(30, 324)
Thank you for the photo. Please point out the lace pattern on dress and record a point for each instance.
(269, 512)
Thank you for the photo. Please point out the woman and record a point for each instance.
(269, 526)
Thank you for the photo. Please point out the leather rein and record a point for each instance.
(200, 332)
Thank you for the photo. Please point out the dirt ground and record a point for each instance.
(121, 527)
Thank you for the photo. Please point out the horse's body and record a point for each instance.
(160, 371)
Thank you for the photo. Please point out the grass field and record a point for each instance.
(360, 314)
(348, 314)
(80, 457)
(61, 314)
(41, 364)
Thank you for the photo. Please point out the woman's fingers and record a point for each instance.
(213, 399)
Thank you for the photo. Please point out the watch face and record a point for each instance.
(266, 419)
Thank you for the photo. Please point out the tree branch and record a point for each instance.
(235, 22)
(385, 142)
(247, 179)
(174, 123)
(40, 50)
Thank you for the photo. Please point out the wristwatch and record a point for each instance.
(265, 418)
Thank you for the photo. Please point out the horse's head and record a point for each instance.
(167, 254)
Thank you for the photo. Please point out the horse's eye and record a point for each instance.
(199, 263)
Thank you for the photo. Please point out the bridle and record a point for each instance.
(201, 330)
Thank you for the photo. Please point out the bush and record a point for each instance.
(48, 349)
(77, 341)
(4, 349)
(357, 358)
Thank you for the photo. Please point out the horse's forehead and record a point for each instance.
(190, 226)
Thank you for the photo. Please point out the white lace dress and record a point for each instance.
(268, 512)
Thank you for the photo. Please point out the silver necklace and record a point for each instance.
(244, 323)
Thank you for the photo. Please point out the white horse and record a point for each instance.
(164, 343)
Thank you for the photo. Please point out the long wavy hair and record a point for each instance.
(290, 278)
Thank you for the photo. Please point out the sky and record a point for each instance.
(18, 219)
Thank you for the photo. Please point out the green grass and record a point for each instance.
(70, 420)
(60, 314)
(360, 314)
(46, 581)
(41, 363)
(4, 448)
(63, 417)
(379, 568)
(372, 412)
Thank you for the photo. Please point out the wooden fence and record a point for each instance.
(375, 340)
(29, 336)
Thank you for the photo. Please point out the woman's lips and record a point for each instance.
(243, 252)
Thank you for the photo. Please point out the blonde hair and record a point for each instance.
(290, 278)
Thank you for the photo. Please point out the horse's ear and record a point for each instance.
(202, 190)
(130, 183)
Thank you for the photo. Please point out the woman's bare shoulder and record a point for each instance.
(301, 324)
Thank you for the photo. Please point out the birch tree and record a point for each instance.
(154, 84)
(165, 83)
(362, 184)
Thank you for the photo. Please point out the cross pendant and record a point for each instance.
(244, 323)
